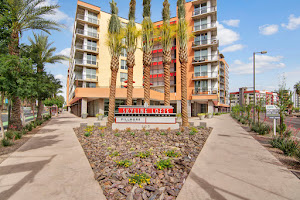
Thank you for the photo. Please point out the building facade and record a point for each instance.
(296, 100)
(89, 71)
(245, 97)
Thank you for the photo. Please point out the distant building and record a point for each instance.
(245, 97)
(296, 100)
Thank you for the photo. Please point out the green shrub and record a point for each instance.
(264, 129)
(132, 134)
(24, 131)
(140, 179)
(178, 133)
(28, 127)
(6, 142)
(124, 163)
(87, 134)
(147, 133)
(172, 153)
(163, 133)
(278, 128)
(143, 154)
(18, 135)
(9, 134)
(117, 134)
(164, 164)
(289, 147)
(288, 133)
(114, 154)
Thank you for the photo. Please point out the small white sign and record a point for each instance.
(272, 112)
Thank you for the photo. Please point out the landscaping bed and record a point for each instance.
(142, 164)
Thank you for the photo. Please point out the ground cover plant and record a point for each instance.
(146, 164)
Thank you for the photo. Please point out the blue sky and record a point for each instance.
(244, 27)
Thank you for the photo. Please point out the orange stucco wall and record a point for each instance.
(88, 5)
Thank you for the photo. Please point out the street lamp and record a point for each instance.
(254, 95)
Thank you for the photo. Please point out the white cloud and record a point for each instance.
(263, 63)
(294, 23)
(232, 48)
(268, 29)
(65, 52)
(227, 36)
(59, 16)
(60, 77)
(232, 22)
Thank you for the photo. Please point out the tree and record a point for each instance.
(115, 36)
(41, 52)
(59, 101)
(147, 29)
(26, 15)
(132, 35)
(167, 36)
(297, 87)
(16, 83)
(183, 58)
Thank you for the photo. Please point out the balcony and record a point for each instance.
(88, 78)
(88, 19)
(88, 34)
(205, 59)
(204, 76)
(87, 48)
(203, 12)
(161, 83)
(205, 43)
(86, 63)
(204, 28)
(205, 91)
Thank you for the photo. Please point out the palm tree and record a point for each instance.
(147, 47)
(26, 15)
(132, 35)
(166, 41)
(183, 58)
(41, 53)
(115, 36)
(297, 88)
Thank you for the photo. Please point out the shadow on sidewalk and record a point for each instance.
(40, 142)
(32, 167)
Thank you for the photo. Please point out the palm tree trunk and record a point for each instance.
(167, 63)
(1, 122)
(40, 109)
(183, 61)
(147, 60)
(16, 122)
(112, 93)
(130, 65)
(32, 110)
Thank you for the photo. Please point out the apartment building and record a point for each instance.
(245, 97)
(296, 100)
(89, 71)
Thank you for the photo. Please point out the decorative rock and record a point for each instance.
(122, 191)
(203, 124)
(149, 188)
(97, 124)
(172, 193)
(191, 123)
(83, 125)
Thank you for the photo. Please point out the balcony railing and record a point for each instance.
(88, 19)
(86, 47)
(204, 26)
(204, 10)
(205, 58)
(88, 77)
(205, 74)
(161, 83)
(85, 62)
(205, 42)
(87, 33)
(204, 91)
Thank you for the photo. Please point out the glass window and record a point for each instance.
(92, 31)
(92, 45)
(123, 77)
(124, 52)
(90, 85)
(123, 64)
(91, 59)
(91, 73)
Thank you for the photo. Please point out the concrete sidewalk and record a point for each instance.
(51, 165)
(233, 165)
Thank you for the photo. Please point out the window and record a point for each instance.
(201, 86)
(91, 59)
(92, 17)
(124, 52)
(123, 77)
(92, 31)
(91, 73)
(201, 55)
(92, 45)
(90, 85)
(200, 70)
(123, 64)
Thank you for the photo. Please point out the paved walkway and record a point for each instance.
(233, 165)
(51, 165)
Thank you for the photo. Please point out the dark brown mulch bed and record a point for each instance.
(291, 163)
(164, 184)
(6, 151)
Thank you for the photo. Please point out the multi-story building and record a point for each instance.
(89, 71)
(244, 97)
(296, 100)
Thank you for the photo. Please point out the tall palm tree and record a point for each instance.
(42, 53)
(183, 58)
(166, 41)
(26, 15)
(297, 88)
(132, 35)
(147, 47)
(115, 36)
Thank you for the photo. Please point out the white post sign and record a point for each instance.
(272, 112)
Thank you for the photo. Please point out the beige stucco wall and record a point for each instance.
(104, 58)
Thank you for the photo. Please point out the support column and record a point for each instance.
(210, 107)
(189, 104)
(178, 106)
(101, 106)
(84, 111)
